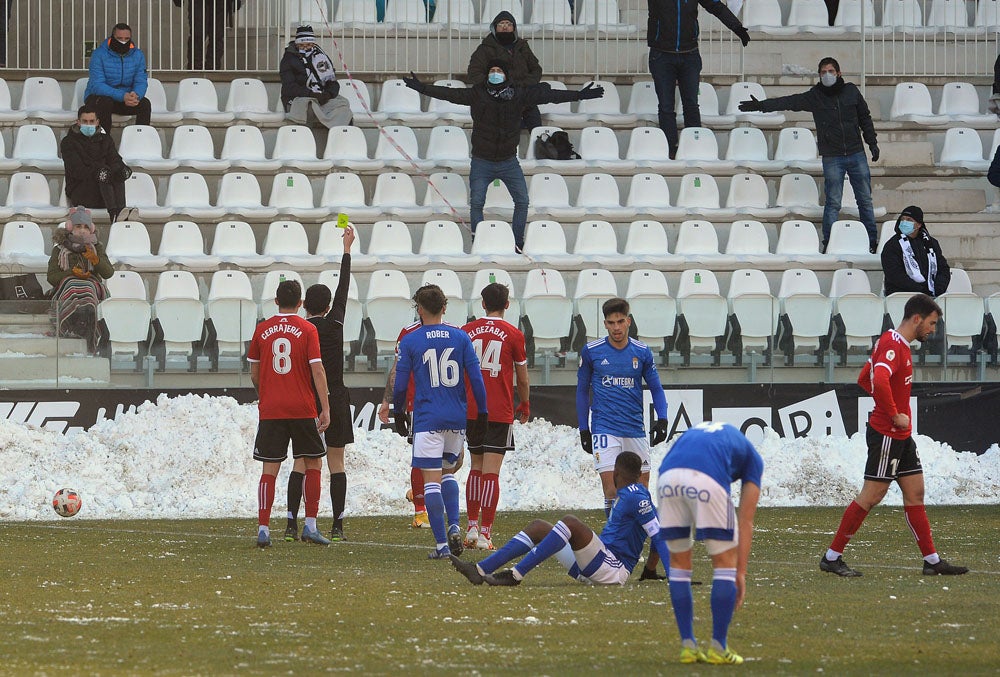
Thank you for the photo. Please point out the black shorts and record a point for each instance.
(341, 430)
(499, 438)
(889, 458)
(273, 435)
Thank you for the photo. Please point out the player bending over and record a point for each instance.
(441, 358)
(693, 492)
(607, 559)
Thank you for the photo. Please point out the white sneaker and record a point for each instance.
(484, 543)
(472, 537)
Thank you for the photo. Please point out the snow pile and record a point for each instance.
(190, 456)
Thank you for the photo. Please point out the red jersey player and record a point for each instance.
(892, 453)
(285, 367)
(500, 348)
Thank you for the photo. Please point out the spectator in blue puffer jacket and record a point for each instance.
(117, 83)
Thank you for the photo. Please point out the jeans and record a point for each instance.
(856, 168)
(481, 173)
(681, 70)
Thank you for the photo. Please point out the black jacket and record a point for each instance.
(840, 112)
(672, 25)
(993, 175)
(524, 67)
(294, 78)
(83, 157)
(896, 278)
(496, 123)
(330, 328)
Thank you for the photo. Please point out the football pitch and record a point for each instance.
(197, 597)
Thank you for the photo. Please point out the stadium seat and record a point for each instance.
(949, 16)
(331, 246)
(491, 8)
(548, 195)
(23, 247)
(347, 147)
(702, 315)
(647, 243)
(244, 148)
(193, 147)
(911, 102)
(295, 146)
(960, 282)
(456, 312)
(442, 242)
(643, 102)
(485, 276)
(749, 242)
(358, 15)
(698, 241)
(232, 313)
(607, 109)
(708, 104)
(805, 315)
(239, 194)
(395, 194)
(140, 193)
(599, 148)
(987, 14)
(604, 15)
(344, 192)
(648, 149)
(849, 203)
(548, 309)
(401, 104)
(7, 165)
(858, 314)
(197, 99)
(654, 310)
(810, 16)
(41, 98)
(532, 163)
(268, 308)
(357, 94)
(392, 244)
(182, 243)
(963, 313)
(561, 114)
(234, 243)
(649, 194)
(697, 146)
(457, 13)
(449, 147)
(494, 243)
(178, 317)
(797, 149)
(35, 146)
(353, 311)
(798, 241)
(849, 242)
(292, 194)
(498, 197)
(599, 197)
(161, 115)
(128, 245)
(29, 193)
(742, 91)
(596, 240)
(698, 192)
(594, 286)
(849, 15)
(902, 15)
(753, 319)
(447, 191)
(247, 100)
(389, 307)
(799, 194)
(397, 148)
(455, 113)
(413, 13)
(7, 112)
(287, 243)
(141, 148)
(960, 102)
(125, 313)
(551, 14)
(748, 195)
(187, 193)
(748, 148)
(765, 16)
(545, 242)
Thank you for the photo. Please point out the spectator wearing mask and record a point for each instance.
(117, 81)
(309, 87)
(843, 125)
(504, 44)
(95, 172)
(912, 260)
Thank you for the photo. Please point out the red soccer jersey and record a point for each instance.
(499, 346)
(892, 354)
(410, 328)
(285, 346)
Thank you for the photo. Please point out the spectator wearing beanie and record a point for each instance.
(309, 87)
(912, 260)
(504, 44)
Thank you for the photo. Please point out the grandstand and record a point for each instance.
(717, 250)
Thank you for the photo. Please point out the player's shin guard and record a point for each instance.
(723, 603)
(916, 518)
(472, 495)
(556, 540)
(449, 493)
(265, 499)
(417, 489)
(512, 549)
(490, 499)
(853, 517)
(338, 497)
(683, 602)
(435, 513)
(295, 480)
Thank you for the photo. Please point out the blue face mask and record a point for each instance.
(88, 130)
(906, 227)
(496, 78)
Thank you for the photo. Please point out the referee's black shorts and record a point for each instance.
(341, 430)
(273, 436)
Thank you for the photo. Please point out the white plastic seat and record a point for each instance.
(330, 245)
(140, 193)
(643, 102)
(545, 241)
(182, 243)
(697, 240)
(901, 15)
(849, 14)
(599, 148)
(295, 146)
(860, 311)
(531, 162)
(358, 96)
(748, 148)
(549, 195)
(748, 240)
(960, 102)
(456, 113)
(950, 16)
(268, 307)
(7, 165)
(485, 276)
(353, 311)
(234, 243)
(648, 149)
(41, 97)
(754, 309)
(606, 109)
(887, 232)
(449, 147)
(243, 147)
(600, 197)
(647, 243)
(395, 194)
(708, 104)
(247, 100)
(987, 14)
(799, 194)
(810, 16)
(179, 312)
(187, 193)
(849, 201)
(161, 114)
(388, 305)
(23, 247)
(142, 148)
(808, 311)
(442, 242)
(458, 13)
(561, 114)
(551, 14)
(292, 194)
(963, 317)
(748, 194)
(764, 15)
(343, 193)
(742, 91)
(649, 194)
(704, 310)
(491, 8)
(29, 193)
(849, 242)
(596, 240)
(403, 141)
(357, 14)
(193, 147)
(392, 243)
(960, 282)
(128, 245)
(411, 13)
(594, 286)
(239, 194)
(7, 111)
(797, 149)
(911, 102)
(604, 15)
(126, 313)
(35, 146)
(232, 310)
(446, 191)
(456, 311)
(346, 146)
(287, 242)
(197, 98)
(798, 241)
(655, 310)
(697, 146)
(494, 243)
(547, 307)
(699, 192)
(399, 102)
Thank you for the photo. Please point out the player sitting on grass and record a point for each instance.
(607, 559)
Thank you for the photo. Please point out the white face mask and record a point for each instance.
(828, 79)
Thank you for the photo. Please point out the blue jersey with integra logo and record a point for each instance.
(609, 384)
(625, 532)
(440, 357)
(720, 451)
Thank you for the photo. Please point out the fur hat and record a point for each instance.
(914, 212)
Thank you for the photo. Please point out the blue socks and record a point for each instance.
(683, 601)
(556, 540)
(723, 603)
(609, 503)
(512, 549)
(435, 512)
(449, 491)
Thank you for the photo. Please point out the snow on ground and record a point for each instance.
(190, 456)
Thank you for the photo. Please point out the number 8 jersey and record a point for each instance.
(285, 346)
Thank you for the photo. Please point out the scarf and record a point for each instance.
(75, 244)
(501, 92)
(910, 260)
(319, 70)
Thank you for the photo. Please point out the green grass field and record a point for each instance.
(196, 597)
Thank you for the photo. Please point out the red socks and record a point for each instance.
(265, 499)
(311, 491)
(473, 494)
(489, 498)
(849, 524)
(417, 487)
(916, 518)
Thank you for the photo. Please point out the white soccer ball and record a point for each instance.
(66, 502)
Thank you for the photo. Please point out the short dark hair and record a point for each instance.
(616, 305)
(85, 109)
(922, 305)
(288, 294)
(431, 298)
(828, 61)
(317, 299)
(495, 296)
(629, 464)
(121, 26)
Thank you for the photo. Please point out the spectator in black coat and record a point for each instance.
(309, 88)
(912, 260)
(95, 172)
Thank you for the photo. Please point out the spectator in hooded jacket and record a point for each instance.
(117, 82)
(309, 88)
(674, 60)
(496, 106)
(95, 172)
(504, 44)
(842, 120)
(912, 260)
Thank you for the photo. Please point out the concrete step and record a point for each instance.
(47, 346)
(20, 371)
